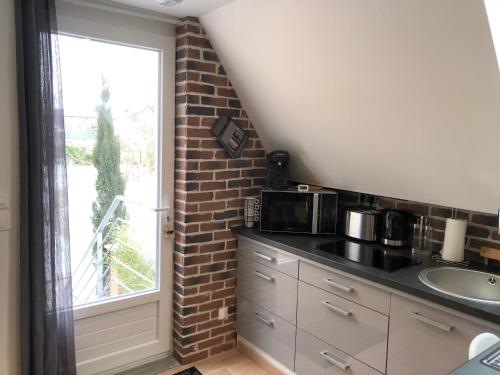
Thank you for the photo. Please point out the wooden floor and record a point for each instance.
(229, 363)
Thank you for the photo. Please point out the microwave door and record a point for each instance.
(287, 212)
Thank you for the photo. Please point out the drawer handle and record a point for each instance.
(336, 309)
(335, 361)
(269, 322)
(424, 319)
(264, 276)
(341, 287)
(263, 256)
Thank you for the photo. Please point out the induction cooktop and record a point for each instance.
(371, 255)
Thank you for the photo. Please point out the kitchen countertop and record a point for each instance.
(475, 367)
(406, 280)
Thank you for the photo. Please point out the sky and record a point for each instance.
(132, 74)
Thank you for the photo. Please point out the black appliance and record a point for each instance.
(277, 170)
(396, 228)
(313, 212)
(370, 255)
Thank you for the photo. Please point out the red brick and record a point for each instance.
(212, 206)
(199, 197)
(211, 305)
(217, 225)
(224, 235)
(212, 185)
(211, 286)
(211, 165)
(208, 248)
(222, 91)
(214, 80)
(227, 194)
(227, 175)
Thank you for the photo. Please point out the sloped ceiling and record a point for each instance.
(396, 98)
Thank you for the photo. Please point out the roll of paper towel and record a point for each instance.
(454, 240)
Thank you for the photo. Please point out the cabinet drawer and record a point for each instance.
(352, 328)
(316, 357)
(425, 340)
(344, 286)
(268, 288)
(269, 256)
(266, 331)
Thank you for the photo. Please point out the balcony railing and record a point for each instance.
(114, 263)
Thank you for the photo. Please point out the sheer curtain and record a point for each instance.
(47, 342)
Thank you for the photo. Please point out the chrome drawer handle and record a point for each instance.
(264, 276)
(269, 322)
(265, 257)
(424, 319)
(334, 361)
(336, 309)
(341, 287)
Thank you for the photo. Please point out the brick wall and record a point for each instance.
(209, 192)
(481, 230)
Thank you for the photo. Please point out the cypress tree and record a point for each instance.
(106, 159)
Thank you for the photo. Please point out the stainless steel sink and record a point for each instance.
(463, 283)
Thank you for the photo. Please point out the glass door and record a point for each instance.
(112, 109)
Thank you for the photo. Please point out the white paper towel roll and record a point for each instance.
(454, 240)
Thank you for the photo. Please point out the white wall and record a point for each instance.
(9, 254)
(393, 97)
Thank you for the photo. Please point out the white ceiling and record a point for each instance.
(193, 8)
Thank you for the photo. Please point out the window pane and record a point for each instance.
(111, 101)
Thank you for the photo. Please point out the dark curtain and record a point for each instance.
(47, 342)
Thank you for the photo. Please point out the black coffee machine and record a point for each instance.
(278, 177)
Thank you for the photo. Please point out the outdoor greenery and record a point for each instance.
(106, 159)
(126, 253)
(78, 155)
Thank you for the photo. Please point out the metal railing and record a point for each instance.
(96, 277)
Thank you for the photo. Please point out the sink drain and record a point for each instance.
(492, 281)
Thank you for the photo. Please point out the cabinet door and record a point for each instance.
(266, 331)
(334, 282)
(352, 328)
(425, 340)
(268, 288)
(269, 256)
(315, 357)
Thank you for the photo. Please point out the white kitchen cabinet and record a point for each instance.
(426, 340)
(315, 357)
(271, 289)
(268, 332)
(371, 328)
(347, 326)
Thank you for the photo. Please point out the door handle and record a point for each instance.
(264, 276)
(429, 321)
(338, 286)
(338, 310)
(335, 361)
(269, 322)
(263, 256)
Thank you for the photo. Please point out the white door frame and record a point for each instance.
(137, 32)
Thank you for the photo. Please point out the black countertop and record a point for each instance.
(405, 280)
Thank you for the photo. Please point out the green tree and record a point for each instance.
(106, 159)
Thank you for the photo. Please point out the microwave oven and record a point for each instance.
(313, 212)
